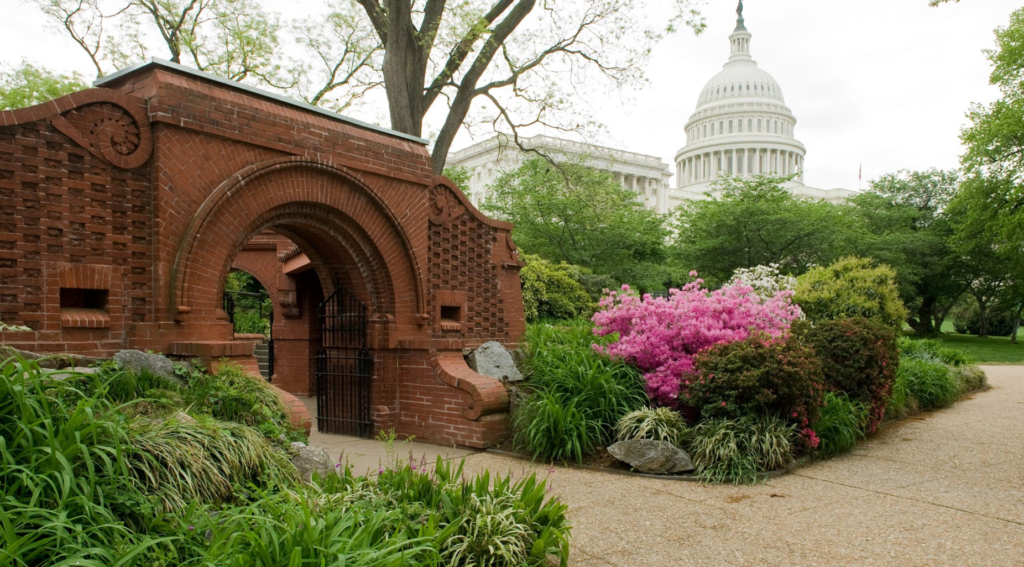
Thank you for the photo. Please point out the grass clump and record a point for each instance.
(739, 450)
(934, 348)
(970, 378)
(658, 424)
(929, 381)
(842, 424)
(577, 395)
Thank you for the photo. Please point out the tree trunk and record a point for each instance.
(923, 324)
(1016, 323)
(404, 69)
(983, 316)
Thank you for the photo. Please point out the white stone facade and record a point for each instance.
(742, 127)
(647, 175)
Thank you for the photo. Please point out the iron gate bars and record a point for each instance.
(344, 367)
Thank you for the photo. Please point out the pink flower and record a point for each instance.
(723, 404)
(693, 273)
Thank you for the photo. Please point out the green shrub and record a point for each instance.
(738, 450)
(759, 375)
(967, 320)
(970, 378)
(659, 424)
(851, 287)
(858, 357)
(843, 422)
(929, 381)
(551, 291)
(577, 396)
(83, 485)
(934, 348)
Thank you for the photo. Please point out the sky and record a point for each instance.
(878, 84)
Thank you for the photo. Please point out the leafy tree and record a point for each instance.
(758, 222)
(460, 176)
(909, 229)
(989, 209)
(28, 85)
(526, 61)
(576, 214)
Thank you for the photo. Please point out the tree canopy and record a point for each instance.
(758, 222)
(28, 85)
(576, 214)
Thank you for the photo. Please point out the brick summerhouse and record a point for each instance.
(126, 206)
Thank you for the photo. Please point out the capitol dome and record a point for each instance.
(741, 127)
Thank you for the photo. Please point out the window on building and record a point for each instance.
(758, 124)
(750, 125)
(730, 126)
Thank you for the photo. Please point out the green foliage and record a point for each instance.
(759, 375)
(578, 396)
(739, 450)
(577, 214)
(917, 348)
(967, 321)
(460, 176)
(909, 229)
(253, 307)
(83, 484)
(232, 394)
(929, 381)
(970, 378)
(858, 357)
(851, 287)
(552, 291)
(28, 85)
(758, 222)
(843, 422)
(659, 424)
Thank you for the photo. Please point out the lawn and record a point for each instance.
(993, 350)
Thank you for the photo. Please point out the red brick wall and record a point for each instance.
(162, 190)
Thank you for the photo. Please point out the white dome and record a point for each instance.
(741, 127)
(741, 79)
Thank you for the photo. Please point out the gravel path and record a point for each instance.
(944, 488)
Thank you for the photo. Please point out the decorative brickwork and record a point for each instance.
(125, 207)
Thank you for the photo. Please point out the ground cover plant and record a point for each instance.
(577, 395)
(737, 377)
(93, 476)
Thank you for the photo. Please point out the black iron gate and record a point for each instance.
(344, 367)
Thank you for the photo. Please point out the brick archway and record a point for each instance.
(341, 222)
(132, 202)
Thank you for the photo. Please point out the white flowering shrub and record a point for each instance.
(766, 280)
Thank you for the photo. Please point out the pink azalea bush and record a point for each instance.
(661, 335)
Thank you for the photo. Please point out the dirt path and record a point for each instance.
(946, 488)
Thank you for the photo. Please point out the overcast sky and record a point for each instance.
(885, 83)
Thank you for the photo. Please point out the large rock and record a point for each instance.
(310, 459)
(159, 365)
(491, 359)
(654, 457)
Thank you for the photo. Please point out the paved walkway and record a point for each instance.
(945, 488)
(368, 455)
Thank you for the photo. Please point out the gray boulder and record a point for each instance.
(67, 372)
(654, 457)
(159, 365)
(491, 359)
(310, 459)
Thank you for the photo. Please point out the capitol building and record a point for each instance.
(740, 128)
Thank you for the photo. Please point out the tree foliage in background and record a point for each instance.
(576, 214)
(28, 85)
(758, 222)
(989, 210)
(909, 229)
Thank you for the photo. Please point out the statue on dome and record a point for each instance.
(739, 19)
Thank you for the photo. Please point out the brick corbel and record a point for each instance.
(489, 395)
